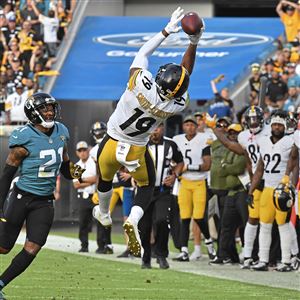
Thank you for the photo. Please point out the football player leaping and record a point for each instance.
(247, 143)
(277, 153)
(146, 102)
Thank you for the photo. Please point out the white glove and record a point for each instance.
(172, 26)
(194, 39)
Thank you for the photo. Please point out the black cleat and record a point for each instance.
(163, 263)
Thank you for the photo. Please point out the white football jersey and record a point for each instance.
(140, 110)
(275, 158)
(249, 142)
(297, 141)
(192, 153)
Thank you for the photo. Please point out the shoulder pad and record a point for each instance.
(63, 130)
(19, 137)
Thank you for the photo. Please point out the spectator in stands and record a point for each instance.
(12, 30)
(294, 79)
(289, 14)
(51, 25)
(254, 82)
(293, 100)
(27, 14)
(14, 106)
(276, 92)
(10, 83)
(279, 62)
(27, 40)
(268, 68)
(222, 105)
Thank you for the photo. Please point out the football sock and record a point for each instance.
(265, 239)
(184, 232)
(294, 242)
(197, 249)
(135, 215)
(285, 242)
(249, 236)
(185, 249)
(104, 201)
(18, 265)
(143, 196)
(210, 245)
(203, 225)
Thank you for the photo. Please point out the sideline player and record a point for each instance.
(39, 148)
(247, 144)
(277, 151)
(192, 198)
(146, 102)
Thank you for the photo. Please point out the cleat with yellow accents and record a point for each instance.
(134, 241)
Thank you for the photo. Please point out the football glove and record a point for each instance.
(210, 121)
(249, 200)
(172, 26)
(95, 198)
(76, 171)
(194, 39)
(2, 218)
(219, 78)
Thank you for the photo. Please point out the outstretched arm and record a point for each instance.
(141, 59)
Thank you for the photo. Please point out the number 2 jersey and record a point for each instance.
(141, 109)
(275, 158)
(249, 142)
(38, 171)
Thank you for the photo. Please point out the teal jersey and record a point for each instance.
(38, 171)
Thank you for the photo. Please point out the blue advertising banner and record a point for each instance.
(97, 65)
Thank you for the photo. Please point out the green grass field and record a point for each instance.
(56, 275)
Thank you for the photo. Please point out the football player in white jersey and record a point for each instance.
(247, 144)
(195, 148)
(146, 102)
(276, 150)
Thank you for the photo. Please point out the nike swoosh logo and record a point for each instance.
(14, 136)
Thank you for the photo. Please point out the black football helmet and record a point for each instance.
(98, 131)
(254, 118)
(172, 81)
(291, 123)
(284, 197)
(35, 107)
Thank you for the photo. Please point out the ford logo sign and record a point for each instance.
(208, 40)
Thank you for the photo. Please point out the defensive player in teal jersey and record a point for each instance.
(39, 151)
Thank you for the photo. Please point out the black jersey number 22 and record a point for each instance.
(142, 125)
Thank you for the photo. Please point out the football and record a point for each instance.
(191, 23)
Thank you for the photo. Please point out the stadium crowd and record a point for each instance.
(31, 32)
(239, 171)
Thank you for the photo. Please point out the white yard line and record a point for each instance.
(290, 280)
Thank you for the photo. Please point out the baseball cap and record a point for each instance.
(269, 61)
(235, 127)
(190, 118)
(291, 65)
(289, 7)
(11, 18)
(81, 145)
(199, 114)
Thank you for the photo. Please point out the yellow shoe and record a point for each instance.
(134, 241)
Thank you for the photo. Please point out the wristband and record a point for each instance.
(193, 167)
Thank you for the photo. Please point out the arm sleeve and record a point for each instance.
(206, 151)
(5, 182)
(177, 156)
(141, 59)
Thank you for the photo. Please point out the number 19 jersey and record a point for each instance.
(141, 109)
(275, 158)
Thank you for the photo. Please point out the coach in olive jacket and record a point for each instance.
(235, 207)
